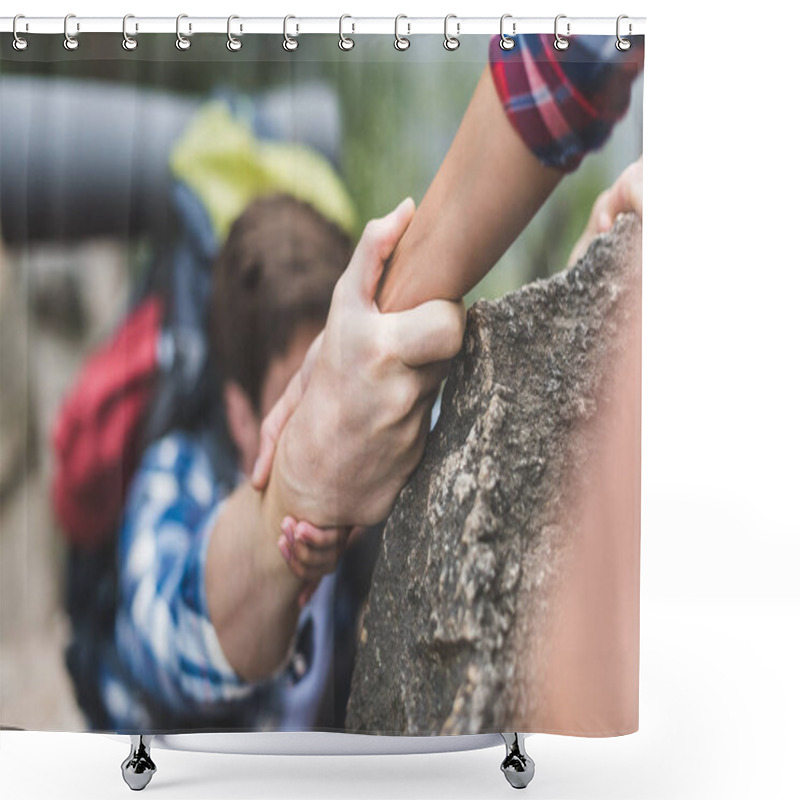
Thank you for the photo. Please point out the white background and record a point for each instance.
(720, 548)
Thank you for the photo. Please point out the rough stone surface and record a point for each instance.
(474, 538)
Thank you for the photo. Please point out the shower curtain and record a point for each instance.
(261, 466)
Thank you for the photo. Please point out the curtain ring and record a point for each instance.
(345, 42)
(128, 42)
(70, 42)
(560, 42)
(289, 42)
(401, 42)
(19, 43)
(234, 44)
(623, 44)
(451, 42)
(506, 42)
(181, 41)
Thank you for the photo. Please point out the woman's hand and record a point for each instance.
(625, 195)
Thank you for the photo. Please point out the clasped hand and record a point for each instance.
(351, 426)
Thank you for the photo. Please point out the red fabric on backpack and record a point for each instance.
(96, 435)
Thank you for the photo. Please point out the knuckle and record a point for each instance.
(339, 290)
(379, 233)
(373, 231)
(302, 554)
(385, 343)
(410, 437)
(454, 330)
(370, 227)
(406, 397)
(330, 539)
(416, 449)
(601, 202)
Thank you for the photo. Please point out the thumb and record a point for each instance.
(377, 243)
(279, 415)
(271, 429)
(307, 367)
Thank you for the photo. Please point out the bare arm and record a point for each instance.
(487, 189)
(252, 594)
(368, 368)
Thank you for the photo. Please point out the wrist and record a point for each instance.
(297, 481)
(269, 564)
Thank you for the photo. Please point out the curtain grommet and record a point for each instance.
(560, 43)
(506, 42)
(290, 43)
(234, 43)
(451, 43)
(70, 41)
(401, 43)
(346, 43)
(129, 42)
(20, 43)
(182, 42)
(622, 43)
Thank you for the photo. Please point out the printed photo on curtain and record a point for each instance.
(321, 377)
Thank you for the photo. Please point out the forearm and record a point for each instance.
(252, 594)
(487, 189)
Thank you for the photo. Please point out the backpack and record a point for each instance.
(154, 374)
(151, 376)
(96, 439)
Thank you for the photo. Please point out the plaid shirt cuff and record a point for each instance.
(564, 104)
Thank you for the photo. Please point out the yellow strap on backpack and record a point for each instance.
(227, 166)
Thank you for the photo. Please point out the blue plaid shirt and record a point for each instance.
(165, 669)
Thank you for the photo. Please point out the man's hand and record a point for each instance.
(359, 410)
(624, 195)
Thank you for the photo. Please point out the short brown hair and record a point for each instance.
(276, 270)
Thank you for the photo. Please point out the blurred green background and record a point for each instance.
(399, 113)
(62, 293)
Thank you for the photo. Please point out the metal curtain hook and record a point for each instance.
(560, 42)
(129, 42)
(70, 42)
(623, 44)
(289, 42)
(345, 42)
(181, 41)
(506, 42)
(19, 43)
(451, 42)
(234, 44)
(400, 42)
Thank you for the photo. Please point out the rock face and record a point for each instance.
(474, 544)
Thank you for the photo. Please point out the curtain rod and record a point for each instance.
(347, 25)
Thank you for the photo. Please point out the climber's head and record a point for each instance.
(272, 286)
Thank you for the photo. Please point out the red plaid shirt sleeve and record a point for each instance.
(565, 104)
